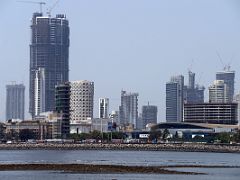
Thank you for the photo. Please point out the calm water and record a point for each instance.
(124, 158)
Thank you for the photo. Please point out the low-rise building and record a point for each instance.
(212, 113)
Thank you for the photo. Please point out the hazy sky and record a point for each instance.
(135, 45)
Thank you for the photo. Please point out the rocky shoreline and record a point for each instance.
(182, 147)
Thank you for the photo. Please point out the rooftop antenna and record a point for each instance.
(49, 10)
(41, 3)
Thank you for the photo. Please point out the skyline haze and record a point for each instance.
(131, 45)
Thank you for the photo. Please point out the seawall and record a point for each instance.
(182, 147)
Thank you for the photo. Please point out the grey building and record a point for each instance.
(228, 77)
(15, 101)
(128, 111)
(62, 106)
(149, 115)
(103, 108)
(49, 49)
(212, 113)
(174, 99)
(193, 93)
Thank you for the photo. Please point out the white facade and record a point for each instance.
(218, 92)
(81, 101)
(39, 91)
(103, 107)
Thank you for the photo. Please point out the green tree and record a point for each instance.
(224, 137)
(166, 134)
(236, 136)
(155, 135)
(96, 135)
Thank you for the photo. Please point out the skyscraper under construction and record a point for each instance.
(49, 51)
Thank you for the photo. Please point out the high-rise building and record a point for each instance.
(149, 115)
(49, 49)
(15, 101)
(103, 108)
(128, 111)
(174, 99)
(81, 101)
(39, 92)
(218, 92)
(63, 107)
(228, 77)
(193, 93)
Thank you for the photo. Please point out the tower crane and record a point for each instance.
(51, 8)
(41, 3)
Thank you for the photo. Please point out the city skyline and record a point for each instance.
(98, 42)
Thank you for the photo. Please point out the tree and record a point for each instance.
(26, 134)
(224, 137)
(155, 135)
(96, 135)
(236, 136)
(166, 134)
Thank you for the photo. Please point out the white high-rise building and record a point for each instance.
(218, 92)
(81, 101)
(228, 77)
(39, 92)
(103, 107)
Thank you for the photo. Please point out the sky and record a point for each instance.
(132, 45)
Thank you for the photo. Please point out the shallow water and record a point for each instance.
(145, 158)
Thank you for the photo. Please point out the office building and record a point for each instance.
(128, 111)
(228, 77)
(103, 108)
(149, 115)
(218, 92)
(212, 113)
(62, 103)
(49, 49)
(193, 93)
(15, 101)
(174, 99)
(81, 101)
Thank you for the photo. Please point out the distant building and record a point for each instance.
(49, 49)
(103, 108)
(62, 99)
(193, 93)
(218, 92)
(74, 100)
(39, 92)
(103, 124)
(212, 113)
(229, 78)
(81, 101)
(149, 115)
(174, 99)
(128, 111)
(15, 101)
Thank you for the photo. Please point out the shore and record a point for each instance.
(184, 147)
(91, 168)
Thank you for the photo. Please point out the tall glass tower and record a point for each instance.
(49, 50)
(174, 99)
